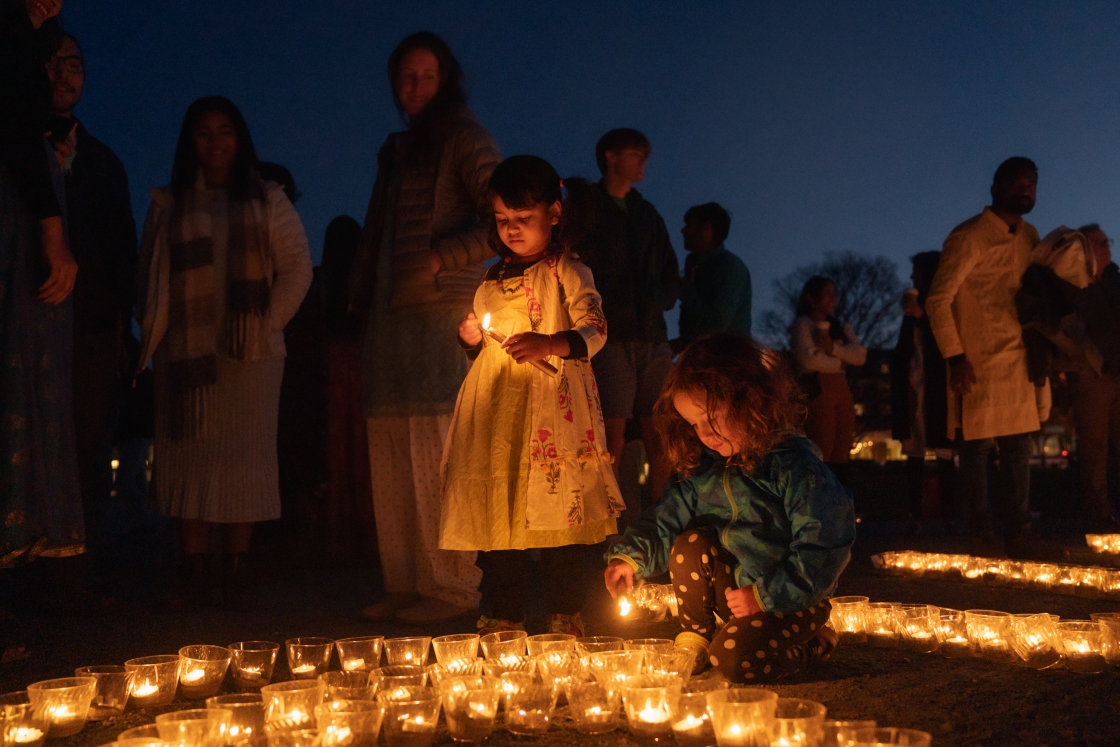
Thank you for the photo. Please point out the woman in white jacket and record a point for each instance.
(823, 347)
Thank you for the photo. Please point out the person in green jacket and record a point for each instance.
(716, 291)
(756, 529)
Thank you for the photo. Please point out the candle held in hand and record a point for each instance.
(499, 338)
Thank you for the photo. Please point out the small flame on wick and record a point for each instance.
(486, 321)
(623, 606)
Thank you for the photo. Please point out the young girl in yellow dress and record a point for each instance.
(526, 464)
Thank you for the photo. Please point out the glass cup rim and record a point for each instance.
(812, 705)
(204, 648)
(457, 638)
(244, 646)
(92, 670)
(309, 641)
(409, 638)
(193, 714)
(291, 686)
(352, 705)
(16, 697)
(505, 636)
(71, 683)
(153, 661)
(848, 600)
(1079, 626)
(234, 700)
(360, 639)
(736, 695)
(987, 613)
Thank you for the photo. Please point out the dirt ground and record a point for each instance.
(961, 702)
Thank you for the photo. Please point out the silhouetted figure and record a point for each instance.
(919, 406)
(350, 525)
(224, 266)
(823, 347)
(40, 498)
(972, 315)
(103, 239)
(419, 263)
(716, 290)
(638, 276)
(274, 172)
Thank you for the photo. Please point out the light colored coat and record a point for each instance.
(811, 357)
(971, 308)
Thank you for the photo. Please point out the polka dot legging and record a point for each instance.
(760, 648)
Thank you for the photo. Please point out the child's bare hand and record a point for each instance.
(619, 577)
(742, 602)
(528, 346)
(470, 330)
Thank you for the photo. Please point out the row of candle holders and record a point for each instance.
(1038, 641)
(1086, 581)
(649, 603)
(1107, 544)
(606, 681)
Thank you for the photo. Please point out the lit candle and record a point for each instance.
(251, 673)
(417, 723)
(623, 606)
(304, 669)
(26, 734)
(499, 338)
(60, 712)
(481, 710)
(194, 675)
(144, 691)
(296, 715)
(652, 715)
(688, 723)
(352, 664)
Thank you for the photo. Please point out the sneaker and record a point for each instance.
(431, 610)
(695, 644)
(825, 643)
(487, 625)
(388, 607)
(567, 624)
(1029, 546)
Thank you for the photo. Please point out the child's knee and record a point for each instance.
(693, 548)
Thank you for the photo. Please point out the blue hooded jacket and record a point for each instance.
(790, 523)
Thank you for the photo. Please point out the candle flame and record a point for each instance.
(486, 321)
(624, 606)
(24, 734)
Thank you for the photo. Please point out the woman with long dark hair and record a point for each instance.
(419, 263)
(224, 265)
(823, 347)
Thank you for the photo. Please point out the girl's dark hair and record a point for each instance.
(184, 170)
(526, 181)
(811, 293)
(433, 124)
(752, 388)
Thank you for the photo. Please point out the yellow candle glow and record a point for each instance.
(652, 715)
(689, 722)
(304, 669)
(26, 735)
(297, 715)
(352, 664)
(623, 606)
(60, 712)
(194, 675)
(145, 690)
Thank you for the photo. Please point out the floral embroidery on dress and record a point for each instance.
(575, 509)
(595, 316)
(536, 315)
(564, 395)
(552, 477)
(543, 447)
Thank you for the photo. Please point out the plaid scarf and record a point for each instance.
(194, 334)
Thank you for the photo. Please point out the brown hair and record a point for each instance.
(737, 376)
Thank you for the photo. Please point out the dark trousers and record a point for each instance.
(562, 572)
(758, 648)
(946, 485)
(1096, 413)
(1014, 482)
(95, 404)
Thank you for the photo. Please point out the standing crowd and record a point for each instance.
(493, 331)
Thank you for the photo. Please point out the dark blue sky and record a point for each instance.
(870, 126)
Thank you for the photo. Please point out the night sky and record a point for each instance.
(869, 126)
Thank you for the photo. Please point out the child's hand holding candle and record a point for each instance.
(470, 331)
(526, 352)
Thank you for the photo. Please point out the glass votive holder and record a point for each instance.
(797, 723)
(410, 651)
(677, 663)
(411, 716)
(142, 742)
(21, 723)
(196, 727)
(1081, 643)
(1110, 635)
(359, 654)
(1035, 641)
(154, 680)
(291, 705)
(111, 694)
(528, 704)
(988, 632)
(1042, 575)
(550, 642)
(1096, 541)
(459, 646)
(470, 705)
(848, 618)
(389, 679)
(891, 735)
(613, 668)
(596, 644)
(1015, 574)
(347, 685)
(64, 703)
(454, 668)
(558, 668)
(308, 657)
(201, 670)
(917, 629)
(355, 723)
(692, 726)
(654, 645)
(251, 663)
(649, 710)
(246, 714)
(951, 630)
(295, 738)
(592, 707)
(509, 663)
(836, 733)
(504, 643)
(882, 624)
(741, 716)
(137, 733)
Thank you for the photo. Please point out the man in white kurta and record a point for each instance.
(971, 309)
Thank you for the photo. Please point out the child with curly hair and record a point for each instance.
(756, 530)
